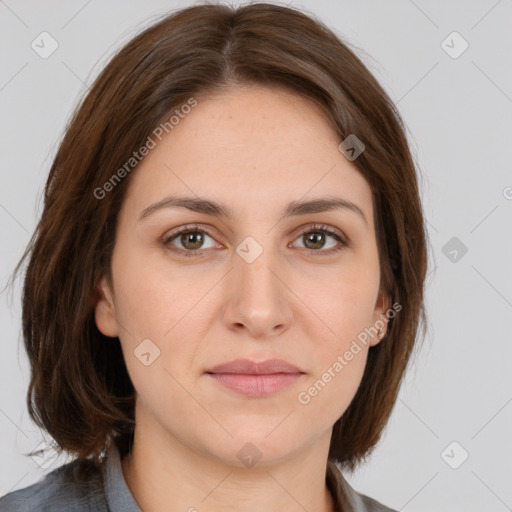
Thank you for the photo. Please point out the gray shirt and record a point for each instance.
(106, 491)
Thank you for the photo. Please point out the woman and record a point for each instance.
(226, 284)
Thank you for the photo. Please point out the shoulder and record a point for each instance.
(371, 505)
(59, 490)
(346, 497)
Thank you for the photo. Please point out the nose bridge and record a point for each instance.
(254, 262)
(257, 293)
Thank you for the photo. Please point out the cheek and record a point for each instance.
(154, 295)
(328, 396)
(163, 305)
(345, 307)
(329, 392)
(342, 301)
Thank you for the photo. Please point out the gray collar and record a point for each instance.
(118, 496)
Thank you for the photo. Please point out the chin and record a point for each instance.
(256, 447)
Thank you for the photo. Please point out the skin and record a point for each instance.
(255, 149)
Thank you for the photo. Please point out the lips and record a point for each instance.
(255, 380)
(248, 367)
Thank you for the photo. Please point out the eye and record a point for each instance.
(312, 240)
(192, 238)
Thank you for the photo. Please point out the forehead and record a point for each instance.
(250, 148)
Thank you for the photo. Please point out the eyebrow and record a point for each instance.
(294, 209)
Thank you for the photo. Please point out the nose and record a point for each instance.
(257, 295)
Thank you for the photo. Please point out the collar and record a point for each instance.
(346, 498)
(118, 495)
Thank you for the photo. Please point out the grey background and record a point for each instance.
(458, 112)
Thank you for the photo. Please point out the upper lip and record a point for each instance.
(246, 366)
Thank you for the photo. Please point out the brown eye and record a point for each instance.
(188, 241)
(192, 240)
(315, 239)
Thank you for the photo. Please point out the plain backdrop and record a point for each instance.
(447, 446)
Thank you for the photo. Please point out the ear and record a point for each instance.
(380, 316)
(104, 310)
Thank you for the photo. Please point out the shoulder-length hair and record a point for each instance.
(80, 391)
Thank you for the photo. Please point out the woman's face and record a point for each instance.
(252, 285)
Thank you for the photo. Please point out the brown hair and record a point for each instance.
(79, 390)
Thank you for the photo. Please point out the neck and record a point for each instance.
(170, 476)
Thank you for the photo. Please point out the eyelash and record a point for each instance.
(316, 228)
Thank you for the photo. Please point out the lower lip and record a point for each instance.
(256, 385)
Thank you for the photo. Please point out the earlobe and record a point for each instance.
(104, 311)
(380, 317)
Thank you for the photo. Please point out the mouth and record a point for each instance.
(254, 379)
